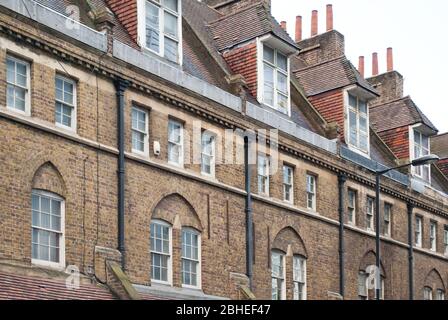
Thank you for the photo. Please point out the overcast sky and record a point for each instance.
(417, 31)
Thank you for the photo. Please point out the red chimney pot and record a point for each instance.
(390, 60)
(298, 28)
(361, 66)
(283, 25)
(314, 23)
(375, 64)
(329, 17)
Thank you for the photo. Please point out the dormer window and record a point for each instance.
(275, 80)
(161, 28)
(420, 148)
(358, 124)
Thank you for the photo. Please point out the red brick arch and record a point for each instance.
(174, 204)
(289, 236)
(434, 280)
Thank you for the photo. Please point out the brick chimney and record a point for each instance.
(374, 64)
(390, 60)
(361, 66)
(329, 17)
(314, 23)
(389, 84)
(283, 25)
(298, 28)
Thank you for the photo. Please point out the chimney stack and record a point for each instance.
(361, 66)
(390, 60)
(283, 25)
(329, 17)
(314, 23)
(298, 28)
(374, 64)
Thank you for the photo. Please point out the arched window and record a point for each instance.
(440, 294)
(48, 245)
(299, 277)
(278, 275)
(191, 258)
(161, 251)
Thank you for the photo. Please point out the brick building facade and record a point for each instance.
(76, 98)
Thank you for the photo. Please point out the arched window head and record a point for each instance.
(161, 252)
(48, 244)
(191, 258)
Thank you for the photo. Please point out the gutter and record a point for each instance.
(121, 86)
(249, 218)
(411, 252)
(341, 184)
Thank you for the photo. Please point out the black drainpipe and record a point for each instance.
(248, 211)
(341, 187)
(411, 251)
(121, 86)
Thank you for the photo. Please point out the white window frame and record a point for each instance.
(263, 175)
(311, 194)
(418, 232)
(145, 151)
(180, 162)
(433, 236)
(212, 156)
(54, 265)
(199, 261)
(347, 108)
(74, 124)
(427, 293)
(387, 223)
(365, 295)
(290, 184)
(170, 254)
(281, 277)
(301, 260)
(260, 70)
(352, 207)
(440, 294)
(415, 170)
(141, 25)
(445, 240)
(27, 111)
(370, 213)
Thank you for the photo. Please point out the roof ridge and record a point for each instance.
(235, 13)
(391, 101)
(320, 64)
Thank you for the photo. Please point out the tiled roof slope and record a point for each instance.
(439, 144)
(21, 287)
(329, 75)
(244, 25)
(396, 114)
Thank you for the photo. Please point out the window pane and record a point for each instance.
(282, 103)
(282, 62)
(152, 27)
(268, 54)
(282, 82)
(353, 128)
(170, 24)
(362, 107)
(10, 98)
(171, 51)
(11, 66)
(352, 101)
(170, 4)
(268, 85)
